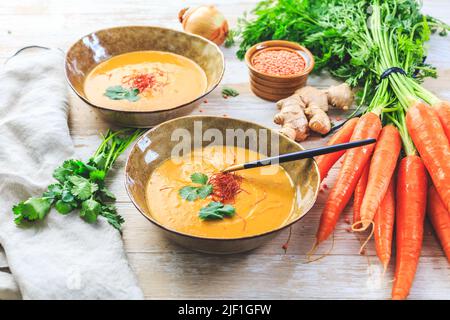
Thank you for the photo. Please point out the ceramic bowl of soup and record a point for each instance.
(173, 177)
(141, 76)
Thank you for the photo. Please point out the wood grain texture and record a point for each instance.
(168, 271)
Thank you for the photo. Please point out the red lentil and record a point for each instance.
(278, 62)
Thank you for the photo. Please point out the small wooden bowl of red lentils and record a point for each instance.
(278, 68)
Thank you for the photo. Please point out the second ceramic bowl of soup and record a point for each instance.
(163, 160)
(141, 76)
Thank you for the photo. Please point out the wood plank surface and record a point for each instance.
(167, 271)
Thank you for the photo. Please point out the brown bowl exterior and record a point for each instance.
(275, 87)
(156, 145)
(101, 45)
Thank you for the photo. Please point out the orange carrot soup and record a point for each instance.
(190, 195)
(145, 80)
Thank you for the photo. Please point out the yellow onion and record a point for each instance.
(205, 21)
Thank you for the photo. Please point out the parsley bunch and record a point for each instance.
(81, 185)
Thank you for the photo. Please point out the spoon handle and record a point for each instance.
(310, 153)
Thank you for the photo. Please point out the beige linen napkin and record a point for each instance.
(62, 257)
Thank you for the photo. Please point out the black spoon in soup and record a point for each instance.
(310, 153)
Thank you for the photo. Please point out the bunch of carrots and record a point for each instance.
(391, 188)
(378, 46)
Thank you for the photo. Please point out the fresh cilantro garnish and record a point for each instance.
(216, 211)
(121, 93)
(199, 178)
(81, 186)
(204, 191)
(189, 193)
(192, 193)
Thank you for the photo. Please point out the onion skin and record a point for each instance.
(205, 21)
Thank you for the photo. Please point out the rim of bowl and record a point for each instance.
(281, 43)
(145, 111)
(316, 192)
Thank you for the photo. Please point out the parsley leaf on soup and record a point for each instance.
(216, 211)
(121, 93)
(192, 193)
(199, 178)
(189, 193)
(204, 191)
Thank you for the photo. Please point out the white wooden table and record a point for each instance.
(165, 270)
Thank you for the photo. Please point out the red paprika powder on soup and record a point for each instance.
(278, 62)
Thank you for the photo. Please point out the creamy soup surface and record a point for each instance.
(264, 204)
(163, 80)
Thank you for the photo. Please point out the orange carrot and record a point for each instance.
(384, 225)
(429, 137)
(443, 112)
(368, 126)
(440, 219)
(411, 205)
(326, 161)
(358, 195)
(382, 166)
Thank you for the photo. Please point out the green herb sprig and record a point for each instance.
(121, 93)
(214, 210)
(192, 193)
(81, 185)
(229, 92)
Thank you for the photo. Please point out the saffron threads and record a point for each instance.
(144, 81)
(140, 81)
(225, 186)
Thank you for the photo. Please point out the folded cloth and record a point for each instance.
(62, 257)
(3, 263)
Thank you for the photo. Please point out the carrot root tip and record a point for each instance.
(361, 223)
(314, 249)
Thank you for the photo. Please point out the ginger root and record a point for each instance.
(313, 98)
(306, 110)
(340, 96)
(292, 117)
